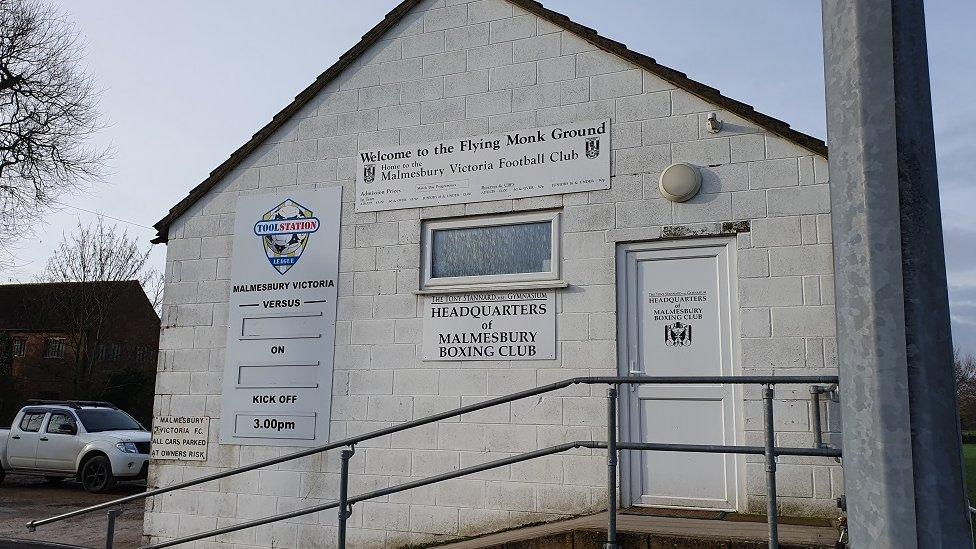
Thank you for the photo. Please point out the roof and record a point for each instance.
(679, 79)
(22, 306)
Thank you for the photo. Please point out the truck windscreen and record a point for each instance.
(97, 420)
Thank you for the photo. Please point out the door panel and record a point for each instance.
(22, 442)
(55, 451)
(665, 475)
(676, 305)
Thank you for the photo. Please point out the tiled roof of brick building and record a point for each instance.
(23, 307)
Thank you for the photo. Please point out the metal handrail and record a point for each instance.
(352, 441)
(384, 491)
(767, 381)
(758, 450)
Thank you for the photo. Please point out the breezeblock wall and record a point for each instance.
(458, 69)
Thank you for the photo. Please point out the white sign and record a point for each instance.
(567, 158)
(281, 320)
(180, 437)
(501, 325)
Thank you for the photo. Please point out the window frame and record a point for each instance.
(49, 346)
(109, 351)
(72, 419)
(31, 414)
(18, 351)
(482, 281)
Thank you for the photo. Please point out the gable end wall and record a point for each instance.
(453, 69)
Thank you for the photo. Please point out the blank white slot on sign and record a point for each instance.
(282, 327)
(259, 376)
(271, 425)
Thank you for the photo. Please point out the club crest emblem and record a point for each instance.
(369, 173)
(592, 147)
(677, 335)
(285, 230)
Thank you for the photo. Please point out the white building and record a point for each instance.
(746, 265)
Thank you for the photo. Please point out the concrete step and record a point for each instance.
(13, 543)
(652, 532)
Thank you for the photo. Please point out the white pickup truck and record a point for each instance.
(94, 442)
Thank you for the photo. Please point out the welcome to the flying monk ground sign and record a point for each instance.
(559, 159)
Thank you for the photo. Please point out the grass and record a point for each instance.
(969, 465)
(969, 471)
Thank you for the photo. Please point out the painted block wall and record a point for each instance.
(451, 69)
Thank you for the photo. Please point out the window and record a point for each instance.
(109, 351)
(54, 347)
(31, 422)
(496, 250)
(97, 420)
(19, 346)
(143, 354)
(62, 423)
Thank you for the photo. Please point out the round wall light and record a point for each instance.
(680, 182)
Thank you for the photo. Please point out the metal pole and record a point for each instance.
(611, 468)
(770, 451)
(345, 510)
(110, 532)
(817, 430)
(903, 464)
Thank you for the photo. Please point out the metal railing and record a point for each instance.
(821, 385)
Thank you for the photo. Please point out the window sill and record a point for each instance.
(469, 288)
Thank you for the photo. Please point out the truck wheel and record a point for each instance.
(96, 475)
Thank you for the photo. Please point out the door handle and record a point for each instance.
(16, 437)
(43, 438)
(633, 371)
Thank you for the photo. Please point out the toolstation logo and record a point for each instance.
(284, 231)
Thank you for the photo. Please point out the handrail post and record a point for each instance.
(110, 531)
(611, 468)
(770, 452)
(345, 510)
(815, 391)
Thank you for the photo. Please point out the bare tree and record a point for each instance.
(94, 254)
(48, 111)
(98, 252)
(965, 372)
(10, 389)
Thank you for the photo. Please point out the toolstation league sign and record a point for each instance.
(541, 161)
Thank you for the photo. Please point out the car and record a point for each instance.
(94, 442)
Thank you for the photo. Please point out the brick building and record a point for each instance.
(750, 252)
(86, 341)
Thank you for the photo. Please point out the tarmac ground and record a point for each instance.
(26, 498)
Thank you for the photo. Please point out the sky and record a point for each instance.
(185, 83)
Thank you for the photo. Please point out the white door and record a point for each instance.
(58, 446)
(22, 442)
(676, 311)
